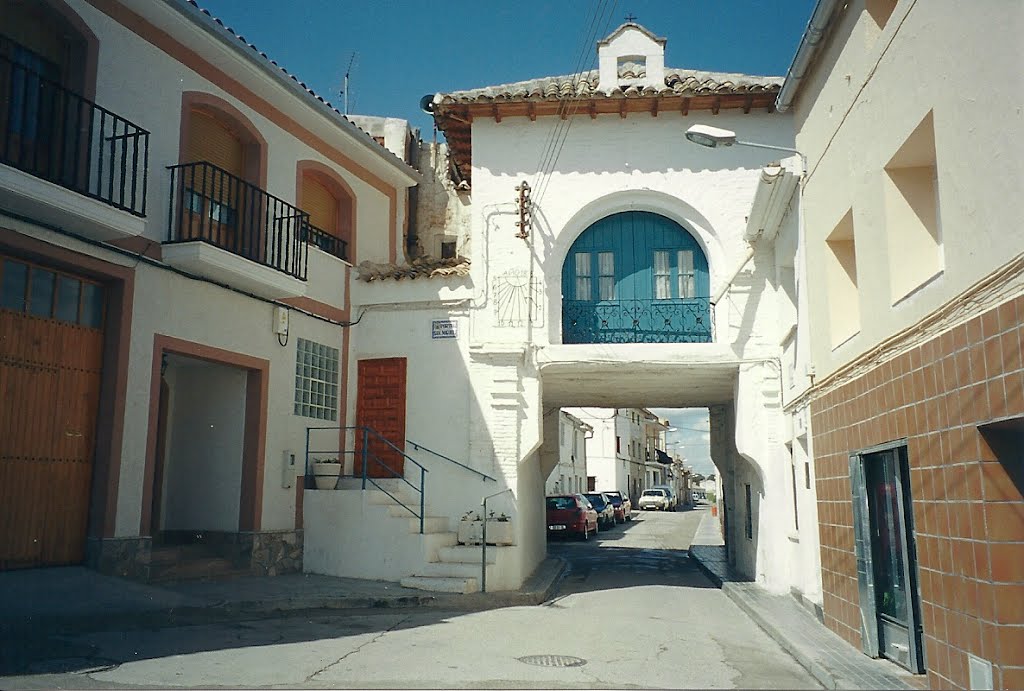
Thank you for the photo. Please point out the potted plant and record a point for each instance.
(499, 529)
(326, 472)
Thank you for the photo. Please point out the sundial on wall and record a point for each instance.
(516, 299)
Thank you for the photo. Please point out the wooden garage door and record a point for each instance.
(380, 405)
(51, 352)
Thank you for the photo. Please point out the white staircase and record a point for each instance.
(447, 567)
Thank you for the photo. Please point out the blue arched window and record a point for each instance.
(636, 277)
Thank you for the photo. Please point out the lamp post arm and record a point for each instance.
(756, 145)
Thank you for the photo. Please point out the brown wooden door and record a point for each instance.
(51, 352)
(380, 405)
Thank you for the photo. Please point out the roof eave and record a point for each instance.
(817, 27)
(402, 173)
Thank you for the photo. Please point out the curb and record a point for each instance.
(734, 593)
(822, 675)
(711, 575)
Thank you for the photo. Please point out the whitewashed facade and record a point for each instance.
(209, 287)
(569, 476)
(514, 358)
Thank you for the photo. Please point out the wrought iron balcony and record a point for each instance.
(323, 240)
(57, 135)
(211, 205)
(686, 320)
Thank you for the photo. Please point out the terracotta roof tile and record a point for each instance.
(678, 82)
(424, 267)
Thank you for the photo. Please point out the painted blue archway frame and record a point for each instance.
(636, 277)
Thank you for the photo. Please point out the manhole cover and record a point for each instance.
(553, 660)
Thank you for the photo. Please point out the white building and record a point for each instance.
(570, 473)
(204, 273)
(909, 117)
(617, 453)
(178, 219)
(556, 307)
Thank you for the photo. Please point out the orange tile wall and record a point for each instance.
(968, 514)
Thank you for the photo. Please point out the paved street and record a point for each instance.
(633, 611)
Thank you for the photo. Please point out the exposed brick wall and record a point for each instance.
(968, 514)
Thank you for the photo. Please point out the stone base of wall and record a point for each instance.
(270, 553)
(126, 557)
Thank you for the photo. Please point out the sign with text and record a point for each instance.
(444, 328)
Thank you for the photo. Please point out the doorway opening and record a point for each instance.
(887, 556)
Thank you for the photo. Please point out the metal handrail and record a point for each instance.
(420, 447)
(368, 456)
(212, 205)
(55, 134)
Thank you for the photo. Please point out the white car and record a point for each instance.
(655, 499)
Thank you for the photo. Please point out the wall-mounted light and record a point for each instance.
(715, 137)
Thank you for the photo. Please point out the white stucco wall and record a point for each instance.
(129, 66)
(867, 93)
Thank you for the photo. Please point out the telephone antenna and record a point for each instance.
(348, 71)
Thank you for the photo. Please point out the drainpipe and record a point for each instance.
(821, 17)
(732, 277)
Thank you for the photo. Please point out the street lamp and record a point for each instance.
(714, 137)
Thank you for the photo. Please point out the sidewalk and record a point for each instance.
(830, 659)
(38, 602)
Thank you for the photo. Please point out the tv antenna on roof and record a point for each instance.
(348, 71)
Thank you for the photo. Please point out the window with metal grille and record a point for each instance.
(583, 276)
(316, 380)
(606, 275)
(687, 277)
(662, 276)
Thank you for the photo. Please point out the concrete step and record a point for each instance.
(376, 496)
(205, 568)
(466, 554)
(431, 524)
(446, 569)
(399, 511)
(442, 584)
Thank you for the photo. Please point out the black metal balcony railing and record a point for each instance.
(325, 241)
(686, 320)
(58, 136)
(209, 204)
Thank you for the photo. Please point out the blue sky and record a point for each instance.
(692, 436)
(405, 49)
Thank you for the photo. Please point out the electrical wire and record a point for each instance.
(139, 257)
(575, 104)
(560, 130)
(577, 65)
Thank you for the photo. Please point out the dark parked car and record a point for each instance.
(570, 514)
(622, 505)
(603, 506)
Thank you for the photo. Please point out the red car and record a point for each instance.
(570, 513)
(623, 507)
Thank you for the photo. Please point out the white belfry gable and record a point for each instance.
(631, 56)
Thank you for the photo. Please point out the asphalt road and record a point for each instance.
(633, 612)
